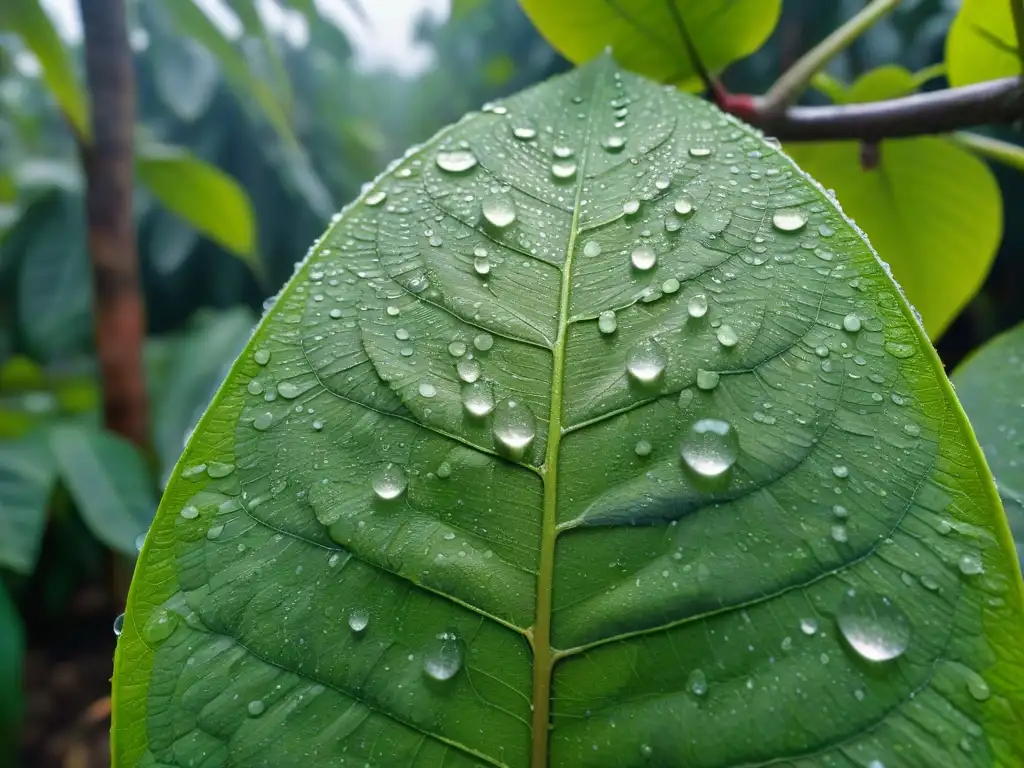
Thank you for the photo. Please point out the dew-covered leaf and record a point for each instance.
(592, 412)
(648, 37)
(932, 209)
(990, 385)
(982, 44)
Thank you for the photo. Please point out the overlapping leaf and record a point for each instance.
(932, 209)
(982, 43)
(650, 37)
(990, 384)
(592, 410)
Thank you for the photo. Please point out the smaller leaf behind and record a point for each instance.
(109, 482)
(26, 480)
(206, 197)
(646, 37)
(990, 386)
(932, 209)
(981, 44)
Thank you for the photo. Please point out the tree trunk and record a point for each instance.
(118, 310)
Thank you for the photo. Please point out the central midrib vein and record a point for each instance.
(544, 657)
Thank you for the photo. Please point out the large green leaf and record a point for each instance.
(648, 36)
(26, 481)
(932, 209)
(621, 424)
(990, 384)
(28, 20)
(206, 197)
(108, 479)
(982, 44)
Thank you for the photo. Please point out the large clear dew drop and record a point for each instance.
(710, 447)
(455, 160)
(443, 659)
(499, 211)
(477, 398)
(389, 482)
(646, 362)
(514, 426)
(873, 626)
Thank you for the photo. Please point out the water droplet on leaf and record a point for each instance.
(389, 482)
(873, 626)
(697, 306)
(606, 321)
(710, 447)
(477, 398)
(358, 620)
(499, 211)
(443, 659)
(646, 362)
(643, 258)
(789, 220)
(455, 160)
(513, 426)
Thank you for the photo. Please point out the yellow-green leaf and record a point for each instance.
(28, 20)
(206, 197)
(932, 210)
(646, 36)
(982, 44)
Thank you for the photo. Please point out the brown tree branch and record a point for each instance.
(989, 103)
(118, 311)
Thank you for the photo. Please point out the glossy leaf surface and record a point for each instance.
(931, 208)
(990, 384)
(648, 37)
(592, 409)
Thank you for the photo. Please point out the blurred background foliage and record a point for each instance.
(256, 121)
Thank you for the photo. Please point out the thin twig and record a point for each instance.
(119, 316)
(787, 89)
(990, 103)
(1008, 154)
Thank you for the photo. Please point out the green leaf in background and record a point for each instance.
(193, 366)
(186, 75)
(616, 415)
(990, 385)
(171, 241)
(191, 20)
(28, 20)
(26, 481)
(12, 649)
(54, 294)
(932, 210)
(109, 482)
(646, 36)
(982, 44)
(206, 197)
